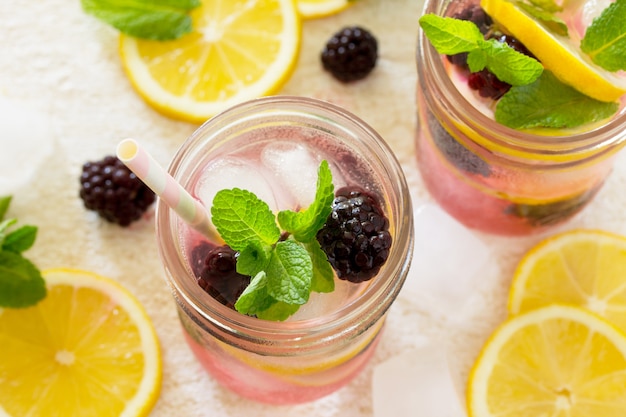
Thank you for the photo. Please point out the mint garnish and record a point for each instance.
(284, 271)
(549, 103)
(544, 12)
(147, 19)
(21, 283)
(451, 36)
(605, 38)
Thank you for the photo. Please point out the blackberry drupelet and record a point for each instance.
(108, 187)
(350, 54)
(215, 270)
(355, 236)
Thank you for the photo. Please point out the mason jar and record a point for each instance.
(324, 345)
(497, 179)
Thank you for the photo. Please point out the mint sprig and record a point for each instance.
(605, 38)
(544, 12)
(21, 283)
(284, 271)
(146, 19)
(452, 36)
(549, 103)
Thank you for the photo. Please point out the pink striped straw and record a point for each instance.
(165, 186)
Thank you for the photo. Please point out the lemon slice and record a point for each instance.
(88, 348)
(581, 267)
(555, 361)
(310, 9)
(236, 52)
(557, 53)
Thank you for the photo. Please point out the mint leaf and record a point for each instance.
(289, 272)
(549, 103)
(20, 239)
(605, 38)
(4, 205)
(323, 276)
(547, 5)
(253, 259)
(4, 229)
(450, 36)
(305, 224)
(21, 283)
(256, 301)
(278, 311)
(241, 217)
(504, 62)
(255, 297)
(147, 19)
(546, 16)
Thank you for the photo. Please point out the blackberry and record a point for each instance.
(215, 271)
(487, 84)
(455, 152)
(108, 187)
(350, 54)
(355, 236)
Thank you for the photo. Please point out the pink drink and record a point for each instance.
(494, 178)
(273, 148)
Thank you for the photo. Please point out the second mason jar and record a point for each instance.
(494, 178)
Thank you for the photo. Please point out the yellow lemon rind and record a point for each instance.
(316, 9)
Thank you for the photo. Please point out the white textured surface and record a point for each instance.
(64, 65)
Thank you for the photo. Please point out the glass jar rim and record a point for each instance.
(367, 308)
(447, 99)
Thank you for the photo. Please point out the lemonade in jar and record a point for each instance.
(286, 302)
(521, 108)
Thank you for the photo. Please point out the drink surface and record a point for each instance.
(280, 165)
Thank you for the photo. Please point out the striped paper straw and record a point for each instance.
(165, 186)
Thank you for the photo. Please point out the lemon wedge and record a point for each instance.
(310, 9)
(581, 267)
(87, 349)
(553, 361)
(236, 52)
(558, 54)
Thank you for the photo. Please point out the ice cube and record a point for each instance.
(321, 304)
(448, 261)
(27, 141)
(417, 382)
(296, 168)
(227, 173)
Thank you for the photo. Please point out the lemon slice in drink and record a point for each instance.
(582, 267)
(310, 9)
(558, 54)
(554, 361)
(236, 52)
(88, 348)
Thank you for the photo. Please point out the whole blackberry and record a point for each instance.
(108, 187)
(215, 270)
(350, 54)
(355, 236)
